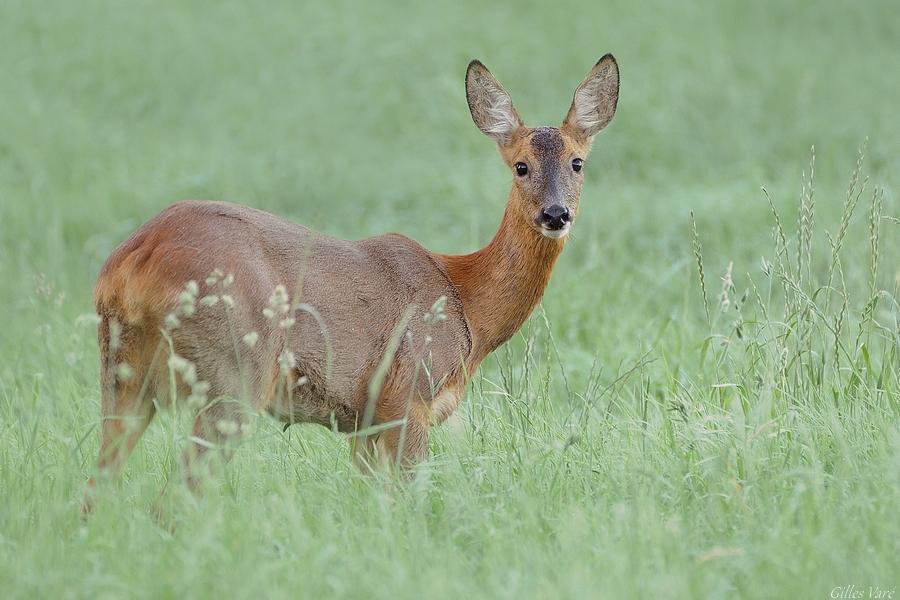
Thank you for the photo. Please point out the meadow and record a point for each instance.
(705, 405)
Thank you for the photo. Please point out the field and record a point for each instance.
(647, 434)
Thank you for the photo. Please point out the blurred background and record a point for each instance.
(351, 118)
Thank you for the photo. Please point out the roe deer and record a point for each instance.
(379, 334)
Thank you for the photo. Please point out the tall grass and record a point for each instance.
(769, 468)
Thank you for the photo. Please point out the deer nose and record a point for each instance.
(555, 216)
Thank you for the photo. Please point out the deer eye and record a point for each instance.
(577, 164)
(521, 169)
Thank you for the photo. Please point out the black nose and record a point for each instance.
(555, 216)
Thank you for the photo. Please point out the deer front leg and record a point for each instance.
(404, 445)
(364, 453)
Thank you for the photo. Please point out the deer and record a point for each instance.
(243, 312)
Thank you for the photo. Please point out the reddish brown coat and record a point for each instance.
(347, 299)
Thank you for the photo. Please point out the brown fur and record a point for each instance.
(356, 291)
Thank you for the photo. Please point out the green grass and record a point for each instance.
(641, 451)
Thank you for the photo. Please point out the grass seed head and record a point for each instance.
(250, 339)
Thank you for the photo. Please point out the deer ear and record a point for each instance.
(595, 99)
(490, 105)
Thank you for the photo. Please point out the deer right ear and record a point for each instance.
(490, 105)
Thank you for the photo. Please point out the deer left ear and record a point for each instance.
(595, 99)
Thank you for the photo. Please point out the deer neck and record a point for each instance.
(500, 285)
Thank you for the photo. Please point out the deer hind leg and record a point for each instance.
(126, 405)
(217, 426)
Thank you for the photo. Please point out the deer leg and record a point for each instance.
(120, 430)
(216, 427)
(363, 450)
(126, 409)
(405, 445)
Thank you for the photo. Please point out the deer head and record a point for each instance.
(547, 162)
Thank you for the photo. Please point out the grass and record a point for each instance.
(643, 436)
